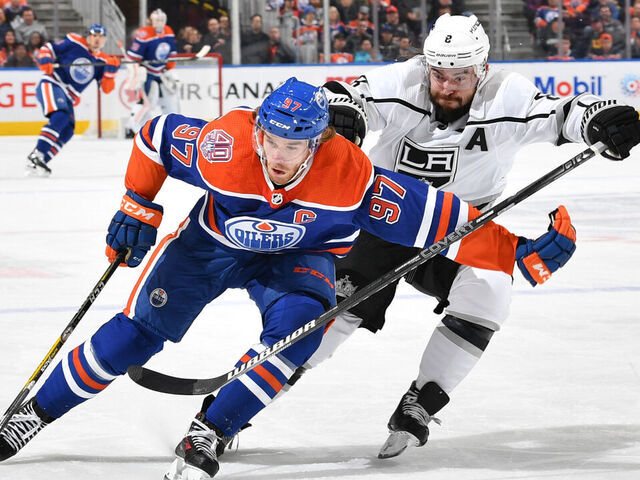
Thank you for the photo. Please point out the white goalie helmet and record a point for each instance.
(158, 19)
(458, 41)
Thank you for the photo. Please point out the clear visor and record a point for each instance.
(258, 142)
(453, 78)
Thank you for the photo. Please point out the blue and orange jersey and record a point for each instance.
(321, 211)
(156, 48)
(73, 50)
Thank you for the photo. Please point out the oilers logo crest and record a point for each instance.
(263, 235)
(162, 51)
(81, 71)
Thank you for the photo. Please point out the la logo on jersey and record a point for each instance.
(263, 235)
(436, 165)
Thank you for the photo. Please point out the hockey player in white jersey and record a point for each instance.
(446, 118)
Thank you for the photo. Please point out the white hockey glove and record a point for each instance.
(615, 125)
(170, 80)
(346, 111)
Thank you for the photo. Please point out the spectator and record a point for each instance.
(192, 42)
(635, 28)
(225, 26)
(405, 50)
(255, 43)
(564, 51)
(335, 24)
(217, 40)
(338, 52)
(530, 12)
(635, 47)
(354, 39)
(613, 27)
(8, 46)
(278, 51)
(366, 53)
(308, 37)
(4, 26)
(393, 20)
(594, 11)
(13, 9)
(348, 11)
(388, 48)
(634, 10)
(36, 42)
(27, 25)
(20, 57)
(289, 21)
(607, 51)
(363, 15)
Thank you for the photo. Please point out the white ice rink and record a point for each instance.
(556, 396)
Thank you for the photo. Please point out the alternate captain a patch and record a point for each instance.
(435, 165)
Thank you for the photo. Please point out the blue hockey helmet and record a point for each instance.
(295, 110)
(97, 29)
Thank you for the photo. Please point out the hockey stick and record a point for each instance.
(201, 53)
(18, 402)
(184, 386)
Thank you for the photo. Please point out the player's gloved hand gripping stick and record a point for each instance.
(547, 253)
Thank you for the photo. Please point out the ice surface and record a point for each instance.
(556, 396)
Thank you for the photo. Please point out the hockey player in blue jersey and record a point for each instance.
(60, 88)
(155, 80)
(284, 196)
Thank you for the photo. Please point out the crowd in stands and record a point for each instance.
(292, 31)
(591, 28)
(21, 35)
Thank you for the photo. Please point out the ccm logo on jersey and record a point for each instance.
(262, 235)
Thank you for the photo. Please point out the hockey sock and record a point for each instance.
(55, 134)
(92, 366)
(243, 398)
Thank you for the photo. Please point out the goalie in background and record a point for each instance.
(155, 81)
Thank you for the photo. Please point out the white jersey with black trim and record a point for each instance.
(471, 156)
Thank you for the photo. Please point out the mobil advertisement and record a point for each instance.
(609, 79)
(20, 113)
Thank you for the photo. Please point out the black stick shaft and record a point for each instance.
(182, 386)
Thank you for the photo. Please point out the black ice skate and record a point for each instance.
(408, 424)
(36, 166)
(22, 427)
(196, 457)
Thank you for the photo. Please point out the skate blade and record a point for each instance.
(175, 470)
(397, 443)
(179, 470)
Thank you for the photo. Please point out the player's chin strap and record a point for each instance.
(186, 386)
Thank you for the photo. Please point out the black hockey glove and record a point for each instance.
(617, 126)
(345, 114)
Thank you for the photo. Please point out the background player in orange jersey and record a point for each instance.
(284, 195)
